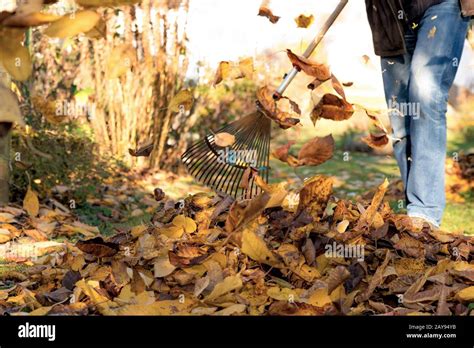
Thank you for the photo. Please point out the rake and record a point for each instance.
(226, 168)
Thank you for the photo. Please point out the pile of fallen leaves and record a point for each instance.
(280, 253)
(460, 177)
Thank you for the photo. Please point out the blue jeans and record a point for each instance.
(416, 89)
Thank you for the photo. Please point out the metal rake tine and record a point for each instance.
(210, 170)
(235, 178)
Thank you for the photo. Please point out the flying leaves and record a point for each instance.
(379, 139)
(284, 111)
(330, 101)
(183, 99)
(142, 151)
(316, 70)
(73, 24)
(265, 11)
(313, 153)
(228, 71)
(304, 21)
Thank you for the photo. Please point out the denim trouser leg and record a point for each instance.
(432, 66)
(396, 77)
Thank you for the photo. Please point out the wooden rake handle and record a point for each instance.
(312, 46)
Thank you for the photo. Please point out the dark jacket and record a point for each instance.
(388, 20)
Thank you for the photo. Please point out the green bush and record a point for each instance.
(74, 164)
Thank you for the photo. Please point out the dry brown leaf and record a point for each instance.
(31, 203)
(224, 139)
(142, 151)
(367, 218)
(330, 100)
(315, 195)
(269, 107)
(316, 151)
(229, 284)
(319, 71)
(184, 98)
(376, 141)
(303, 21)
(265, 11)
(313, 153)
(233, 71)
(98, 247)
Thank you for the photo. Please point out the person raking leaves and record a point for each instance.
(420, 43)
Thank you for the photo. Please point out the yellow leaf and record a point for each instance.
(137, 231)
(342, 226)
(283, 294)
(227, 285)
(163, 266)
(338, 294)
(184, 98)
(234, 309)
(31, 203)
(99, 30)
(73, 24)
(40, 311)
(233, 71)
(14, 56)
(168, 307)
(78, 263)
(255, 247)
(29, 19)
(88, 287)
(432, 32)
(319, 298)
(246, 67)
(186, 223)
(466, 294)
(173, 232)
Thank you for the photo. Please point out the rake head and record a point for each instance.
(224, 168)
